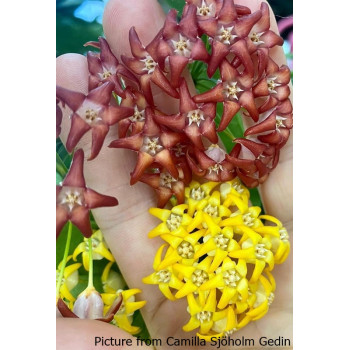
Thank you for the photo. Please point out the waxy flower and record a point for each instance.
(220, 257)
(210, 8)
(134, 124)
(203, 312)
(180, 43)
(274, 85)
(152, 145)
(145, 64)
(261, 36)
(92, 111)
(234, 91)
(106, 67)
(111, 280)
(195, 120)
(166, 186)
(228, 33)
(124, 315)
(89, 305)
(58, 118)
(253, 160)
(166, 278)
(230, 278)
(274, 125)
(74, 199)
(212, 164)
(99, 249)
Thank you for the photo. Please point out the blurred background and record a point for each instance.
(79, 21)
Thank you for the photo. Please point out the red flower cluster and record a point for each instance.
(171, 148)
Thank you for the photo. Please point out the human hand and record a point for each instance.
(125, 228)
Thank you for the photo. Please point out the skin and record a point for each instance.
(125, 227)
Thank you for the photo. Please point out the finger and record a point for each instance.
(277, 190)
(77, 334)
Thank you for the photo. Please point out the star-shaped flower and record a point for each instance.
(74, 200)
(106, 67)
(91, 111)
(235, 91)
(180, 43)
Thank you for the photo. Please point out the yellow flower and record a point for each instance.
(203, 312)
(225, 324)
(174, 221)
(217, 242)
(69, 281)
(278, 236)
(99, 249)
(220, 255)
(212, 206)
(231, 279)
(194, 276)
(124, 316)
(196, 192)
(263, 291)
(111, 280)
(258, 253)
(165, 278)
(183, 249)
(235, 188)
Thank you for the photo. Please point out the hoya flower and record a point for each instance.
(221, 260)
(213, 165)
(231, 189)
(134, 124)
(253, 160)
(261, 36)
(210, 212)
(183, 249)
(166, 186)
(180, 43)
(111, 280)
(231, 279)
(274, 86)
(235, 91)
(124, 315)
(106, 67)
(194, 276)
(210, 8)
(145, 65)
(74, 200)
(89, 305)
(274, 125)
(69, 280)
(203, 312)
(228, 32)
(99, 249)
(92, 111)
(195, 193)
(258, 254)
(225, 324)
(165, 278)
(278, 236)
(217, 243)
(263, 291)
(195, 120)
(152, 145)
(174, 221)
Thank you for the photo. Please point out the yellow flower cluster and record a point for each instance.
(219, 253)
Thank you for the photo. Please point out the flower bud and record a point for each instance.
(89, 304)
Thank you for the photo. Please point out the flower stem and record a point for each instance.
(64, 261)
(91, 272)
